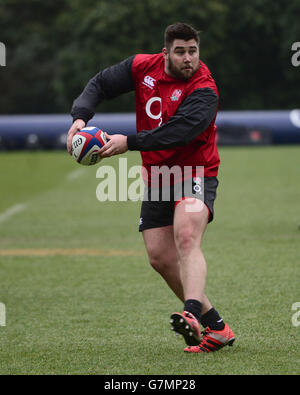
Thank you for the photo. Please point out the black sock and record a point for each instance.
(213, 320)
(193, 306)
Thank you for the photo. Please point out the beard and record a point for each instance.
(179, 73)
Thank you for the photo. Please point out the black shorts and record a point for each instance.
(160, 212)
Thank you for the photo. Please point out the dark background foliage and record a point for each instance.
(54, 48)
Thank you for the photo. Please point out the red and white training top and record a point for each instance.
(175, 118)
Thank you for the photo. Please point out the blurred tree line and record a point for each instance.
(54, 48)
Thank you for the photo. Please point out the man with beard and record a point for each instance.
(176, 108)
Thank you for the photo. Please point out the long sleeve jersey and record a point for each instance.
(175, 118)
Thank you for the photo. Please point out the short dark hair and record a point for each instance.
(181, 31)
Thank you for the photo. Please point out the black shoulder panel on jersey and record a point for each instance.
(107, 84)
(193, 116)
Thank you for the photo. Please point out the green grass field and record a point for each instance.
(81, 298)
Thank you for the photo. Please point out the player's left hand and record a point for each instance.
(116, 144)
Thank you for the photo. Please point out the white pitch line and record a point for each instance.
(20, 207)
(75, 174)
(12, 211)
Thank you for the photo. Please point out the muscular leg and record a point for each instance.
(190, 222)
(163, 256)
(175, 252)
(181, 242)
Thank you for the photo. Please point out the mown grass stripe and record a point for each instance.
(44, 252)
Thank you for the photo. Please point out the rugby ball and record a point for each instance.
(86, 145)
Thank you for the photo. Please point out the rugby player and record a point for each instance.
(176, 108)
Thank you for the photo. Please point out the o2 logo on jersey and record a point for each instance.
(153, 108)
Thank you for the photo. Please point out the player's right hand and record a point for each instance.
(76, 127)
